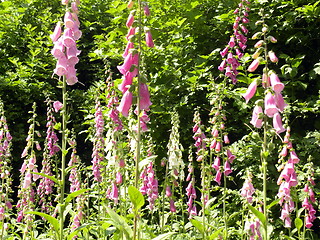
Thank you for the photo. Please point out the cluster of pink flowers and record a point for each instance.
(199, 137)
(220, 138)
(149, 184)
(44, 189)
(5, 159)
(113, 103)
(287, 179)
(98, 143)
(253, 229)
(75, 185)
(247, 189)
(237, 43)
(26, 191)
(130, 69)
(192, 195)
(273, 101)
(308, 201)
(65, 49)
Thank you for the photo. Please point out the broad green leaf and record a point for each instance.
(120, 223)
(76, 231)
(52, 178)
(198, 225)
(299, 223)
(146, 161)
(74, 194)
(258, 214)
(52, 220)
(136, 197)
(215, 234)
(164, 236)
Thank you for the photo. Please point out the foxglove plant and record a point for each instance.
(5, 170)
(45, 187)
(190, 190)
(234, 51)
(269, 107)
(66, 53)
(26, 191)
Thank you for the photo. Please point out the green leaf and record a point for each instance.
(74, 194)
(120, 223)
(164, 236)
(298, 223)
(146, 161)
(52, 178)
(215, 234)
(273, 203)
(53, 221)
(258, 214)
(198, 225)
(136, 197)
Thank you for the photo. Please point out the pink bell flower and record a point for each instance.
(270, 107)
(280, 101)
(222, 65)
(130, 20)
(144, 94)
(256, 121)
(149, 40)
(56, 33)
(232, 42)
(72, 54)
(254, 65)
(272, 56)
(217, 179)
(129, 46)
(125, 103)
(172, 206)
(61, 66)
(227, 168)
(57, 105)
(250, 91)
(146, 10)
(58, 49)
(216, 164)
(168, 191)
(276, 85)
(68, 20)
(230, 156)
(126, 82)
(277, 123)
(68, 39)
(71, 77)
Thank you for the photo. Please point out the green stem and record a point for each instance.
(138, 147)
(264, 173)
(63, 156)
(224, 206)
(203, 200)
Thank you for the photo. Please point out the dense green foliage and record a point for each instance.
(188, 35)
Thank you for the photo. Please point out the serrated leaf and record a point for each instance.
(74, 194)
(136, 197)
(52, 178)
(258, 214)
(164, 236)
(52, 220)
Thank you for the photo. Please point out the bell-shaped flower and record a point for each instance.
(125, 67)
(250, 91)
(149, 40)
(61, 66)
(277, 123)
(68, 20)
(125, 103)
(56, 33)
(217, 179)
(222, 65)
(276, 85)
(270, 107)
(68, 40)
(58, 49)
(281, 104)
(74, 7)
(216, 164)
(293, 157)
(57, 105)
(272, 56)
(146, 10)
(71, 77)
(172, 206)
(126, 82)
(168, 191)
(131, 32)
(144, 94)
(76, 33)
(230, 156)
(130, 45)
(232, 42)
(227, 168)
(130, 20)
(72, 54)
(254, 65)
(224, 51)
(256, 121)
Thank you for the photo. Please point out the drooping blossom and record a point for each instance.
(149, 185)
(250, 91)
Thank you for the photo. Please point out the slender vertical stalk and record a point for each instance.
(225, 219)
(138, 139)
(204, 200)
(63, 156)
(264, 175)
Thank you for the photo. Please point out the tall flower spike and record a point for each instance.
(65, 50)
